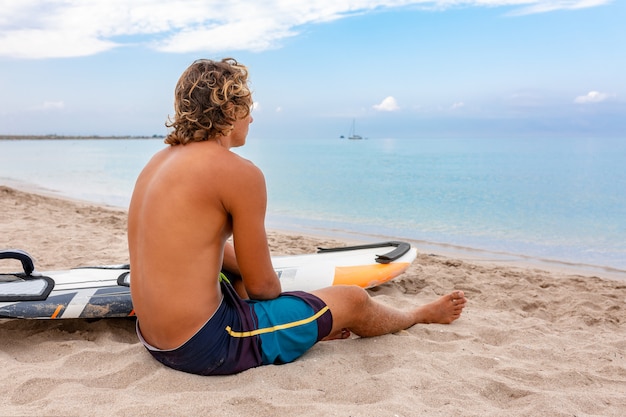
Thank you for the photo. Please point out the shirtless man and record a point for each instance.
(188, 201)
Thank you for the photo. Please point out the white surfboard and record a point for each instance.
(104, 291)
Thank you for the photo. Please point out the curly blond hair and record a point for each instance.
(210, 97)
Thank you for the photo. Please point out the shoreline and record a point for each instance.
(468, 254)
(433, 248)
(73, 137)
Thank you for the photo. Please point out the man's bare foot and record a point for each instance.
(444, 310)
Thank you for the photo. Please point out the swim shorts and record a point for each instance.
(243, 334)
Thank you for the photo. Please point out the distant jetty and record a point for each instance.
(63, 137)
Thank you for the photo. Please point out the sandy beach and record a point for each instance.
(530, 343)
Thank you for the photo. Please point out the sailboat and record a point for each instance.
(353, 134)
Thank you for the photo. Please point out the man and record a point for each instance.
(188, 201)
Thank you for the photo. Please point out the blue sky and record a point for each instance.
(400, 68)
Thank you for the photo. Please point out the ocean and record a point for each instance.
(556, 199)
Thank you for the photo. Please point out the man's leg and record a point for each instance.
(354, 310)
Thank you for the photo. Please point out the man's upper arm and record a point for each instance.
(247, 206)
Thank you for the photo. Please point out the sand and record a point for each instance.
(530, 343)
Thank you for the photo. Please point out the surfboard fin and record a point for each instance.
(400, 249)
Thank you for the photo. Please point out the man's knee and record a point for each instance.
(343, 298)
(356, 296)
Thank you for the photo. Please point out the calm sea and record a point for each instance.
(556, 199)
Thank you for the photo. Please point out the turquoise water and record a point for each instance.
(560, 199)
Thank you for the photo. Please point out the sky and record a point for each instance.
(399, 68)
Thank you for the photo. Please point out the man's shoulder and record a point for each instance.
(236, 161)
(230, 168)
(213, 157)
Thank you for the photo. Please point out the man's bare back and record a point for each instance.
(177, 229)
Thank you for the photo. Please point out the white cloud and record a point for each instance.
(457, 105)
(49, 105)
(54, 105)
(38, 29)
(388, 104)
(593, 97)
(553, 5)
